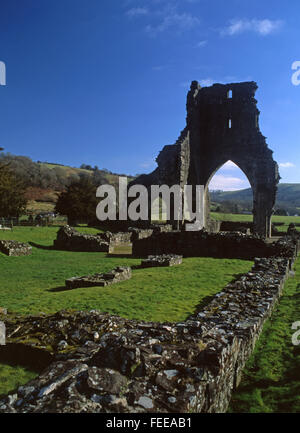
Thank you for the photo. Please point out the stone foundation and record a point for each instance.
(70, 239)
(164, 260)
(14, 248)
(204, 244)
(106, 364)
(115, 276)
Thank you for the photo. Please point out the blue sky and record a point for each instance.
(104, 82)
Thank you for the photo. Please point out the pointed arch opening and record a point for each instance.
(230, 193)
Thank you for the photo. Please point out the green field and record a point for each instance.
(286, 220)
(33, 284)
(271, 379)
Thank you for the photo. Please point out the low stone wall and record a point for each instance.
(137, 234)
(115, 276)
(164, 260)
(108, 364)
(70, 239)
(236, 226)
(204, 244)
(14, 248)
(116, 238)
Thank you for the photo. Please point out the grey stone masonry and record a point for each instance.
(71, 240)
(163, 260)
(14, 248)
(105, 279)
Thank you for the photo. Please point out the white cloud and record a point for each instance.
(286, 165)
(227, 183)
(136, 12)
(179, 22)
(201, 44)
(158, 68)
(262, 27)
(207, 82)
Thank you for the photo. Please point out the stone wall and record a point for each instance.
(71, 240)
(204, 244)
(110, 364)
(105, 279)
(163, 260)
(15, 248)
(235, 226)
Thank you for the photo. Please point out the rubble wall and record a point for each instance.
(70, 239)
(204, 244)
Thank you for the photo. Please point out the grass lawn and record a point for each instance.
(33, 284)
(271, 379)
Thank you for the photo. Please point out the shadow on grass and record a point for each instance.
(120, 256)
(58, 289)
(41, 247)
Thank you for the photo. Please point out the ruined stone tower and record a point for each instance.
(222, 124)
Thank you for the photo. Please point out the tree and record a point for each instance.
(79, 201)
(12, 193)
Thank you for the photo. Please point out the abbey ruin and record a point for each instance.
(95, 362)
(222, 124)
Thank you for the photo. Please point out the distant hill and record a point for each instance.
(45, 180)
(288, 196)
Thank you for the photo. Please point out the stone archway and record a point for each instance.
(241, 183)
(222, 124)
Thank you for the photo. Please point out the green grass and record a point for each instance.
(248, 218)
(271, 379)
(13, 376)
(33, 284)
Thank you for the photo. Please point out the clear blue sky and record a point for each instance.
(104, 82)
